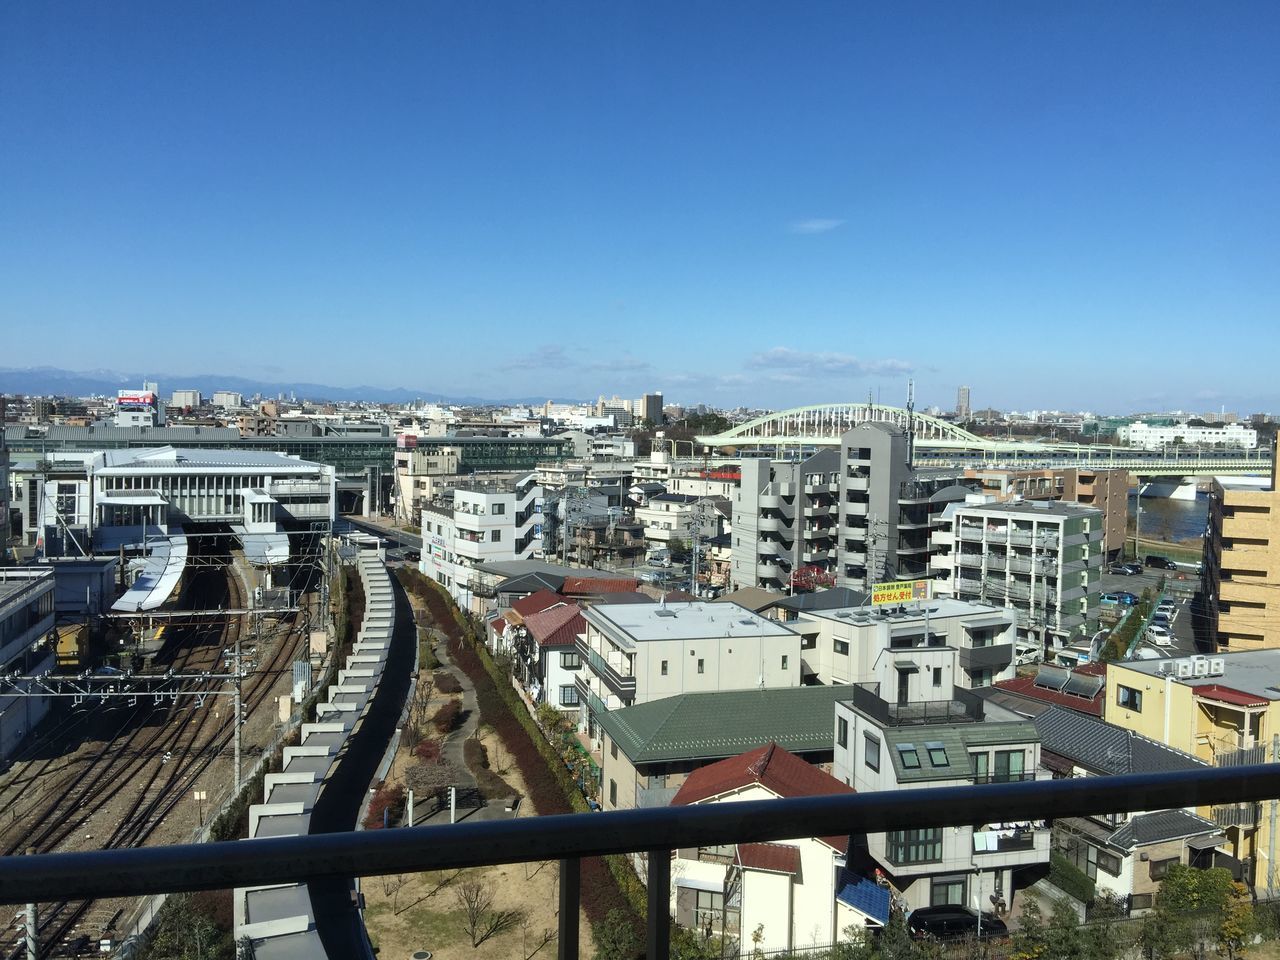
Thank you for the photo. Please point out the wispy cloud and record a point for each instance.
(781, 361)
(814, 225)
(548, 356)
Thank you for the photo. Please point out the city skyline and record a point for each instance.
(736, 206)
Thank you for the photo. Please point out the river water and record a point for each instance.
(1165, 519)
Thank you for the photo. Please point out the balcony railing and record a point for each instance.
(104, 874)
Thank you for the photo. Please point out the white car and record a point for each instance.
(1159, 636)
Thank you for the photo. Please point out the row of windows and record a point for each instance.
(1010, 765)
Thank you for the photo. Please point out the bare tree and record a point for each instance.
(392, 884)
(479, 920)
(420, 708)
(538, 941)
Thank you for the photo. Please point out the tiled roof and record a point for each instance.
(1148, 828)
(714, 725)
(866, 896)
(535, 603)
(754, 599)
(1216, 691)
(1026, 687)
(836, 598)
(531, 582)
(557, 626)
(773, 857)
(781, 773)
(1106, 749)
(579, 586)
(498, 625)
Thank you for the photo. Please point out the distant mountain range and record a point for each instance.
(42, 381)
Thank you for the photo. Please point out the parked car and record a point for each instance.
(1159, 563)
(1160, 636)
(953, 922)
(1128, 599)
(1125, 569)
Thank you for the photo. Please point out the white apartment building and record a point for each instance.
(947, 741)
(227, 399)
(1043, 558)
(481, 523)
(1152, 437)
(26, 617)
(419, 473)
(186, 398)
(914, 651)
(636, 652)
(670, 517)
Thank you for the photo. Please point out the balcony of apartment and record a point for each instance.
(818, 509)
(997, 656)
(969, 586)
(963, 707)
(766, 549)
(1010, 846)
(772, 524)
(653, 832)
(817, 555)
(818, 531)
(856, 508)
(1243, 815)
(770, 501)
(1025, 563)
(770, 570)
(613, 669)
(972, 531)
(858, 481)
(1244, 525)
(815, 488)
(787, 489)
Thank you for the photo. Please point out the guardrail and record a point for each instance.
(656, 832)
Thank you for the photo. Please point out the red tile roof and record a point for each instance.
(585, 586)
(556, 627)
(1237, 698)
(1026, 686)
(774, 857)
(778, 771)
(498, 625)
(536, 602)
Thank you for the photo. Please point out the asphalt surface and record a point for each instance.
(1184, 639)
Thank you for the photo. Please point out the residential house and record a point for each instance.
(1080, 689)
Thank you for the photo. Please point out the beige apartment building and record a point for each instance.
(1242, 564)
(1107, 490)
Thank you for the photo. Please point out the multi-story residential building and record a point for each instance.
(634, 653)
(912, 650)
(26, 618)
(722, 483)
(651, 408)
(672, 519)
(788, 892)
(227, 399)
(481, 523)
(186, 398)
(1043, 558)
(1126, 854)
(1152, 437)
(944, 741)
(420, 473)
(962, 403)
(1241, 566)
(1223, 709)
(1108, 490)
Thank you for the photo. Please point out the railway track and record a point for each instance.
(165, 749)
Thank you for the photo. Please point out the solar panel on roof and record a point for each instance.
(1083, 686)
(1052, 678)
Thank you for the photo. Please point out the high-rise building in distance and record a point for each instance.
(962, 403)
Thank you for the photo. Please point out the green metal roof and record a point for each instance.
(956, 739)
(702, 726)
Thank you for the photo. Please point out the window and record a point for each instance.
(947, 891)
(722, 854)
(613, 793)
(914, 846)
(937, 754)
(841, 647)
(909, 756)
(570, 661)
(498, 509)
(871, 751)
(1009, 766)
(1129, 698)
(937, 676)
(664, 668)
(842, 731)
(981, 763)
(495, 536)
(613, 749)
(785, 661)
(702, 666)
(569, 696)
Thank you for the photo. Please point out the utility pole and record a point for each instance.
(1271, 835)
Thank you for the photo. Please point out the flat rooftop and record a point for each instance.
(939, 608)
(1255, 672)
(1030, 508)
(187, 458)
(696, 620)
(15, 580)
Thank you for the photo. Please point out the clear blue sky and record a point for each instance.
(1064, 205)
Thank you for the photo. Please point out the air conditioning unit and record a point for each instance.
(1185, 669)
(1217, 667)
(1201, 667)
(1164, 667)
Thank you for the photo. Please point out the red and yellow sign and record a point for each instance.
(899, 591)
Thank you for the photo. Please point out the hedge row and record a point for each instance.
(607, 883)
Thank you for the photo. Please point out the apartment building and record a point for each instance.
(636, 652)
(1042, 558)
(480, 523)
(1153, 437)
(914, 651)
(949, 740)
(1241, 566)
(26, 618)
(1222, 709)
(674, 518)
(1108, 490)
(420, 473)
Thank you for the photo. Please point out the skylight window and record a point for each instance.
(937, 754)
(909, 755)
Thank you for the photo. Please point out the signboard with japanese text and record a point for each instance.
(899, 591)
(135, 398)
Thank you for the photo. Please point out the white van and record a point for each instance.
(1027, 651)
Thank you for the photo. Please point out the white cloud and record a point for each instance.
(786, 361)
(814, 225)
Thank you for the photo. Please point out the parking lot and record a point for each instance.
(1176, 582)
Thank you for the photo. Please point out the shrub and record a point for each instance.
(1069, 878)
(388, 804)
(447, 717)
(446, 682)
(491, 786)
(428, 750)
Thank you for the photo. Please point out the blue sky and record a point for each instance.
(1070, 205)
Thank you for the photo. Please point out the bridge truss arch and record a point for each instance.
(822, 425)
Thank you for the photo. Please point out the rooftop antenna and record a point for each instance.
(911, 424)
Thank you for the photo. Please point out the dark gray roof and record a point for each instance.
(834, 599)
(532, 583)
(675, 498)
(1102, 748)
(1148, 828)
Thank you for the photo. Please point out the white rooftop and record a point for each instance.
(1255, 672)
(171, 458)
(695, 620)
(939, 608)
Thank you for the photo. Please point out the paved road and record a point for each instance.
(380, 529)
(1184, 642)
